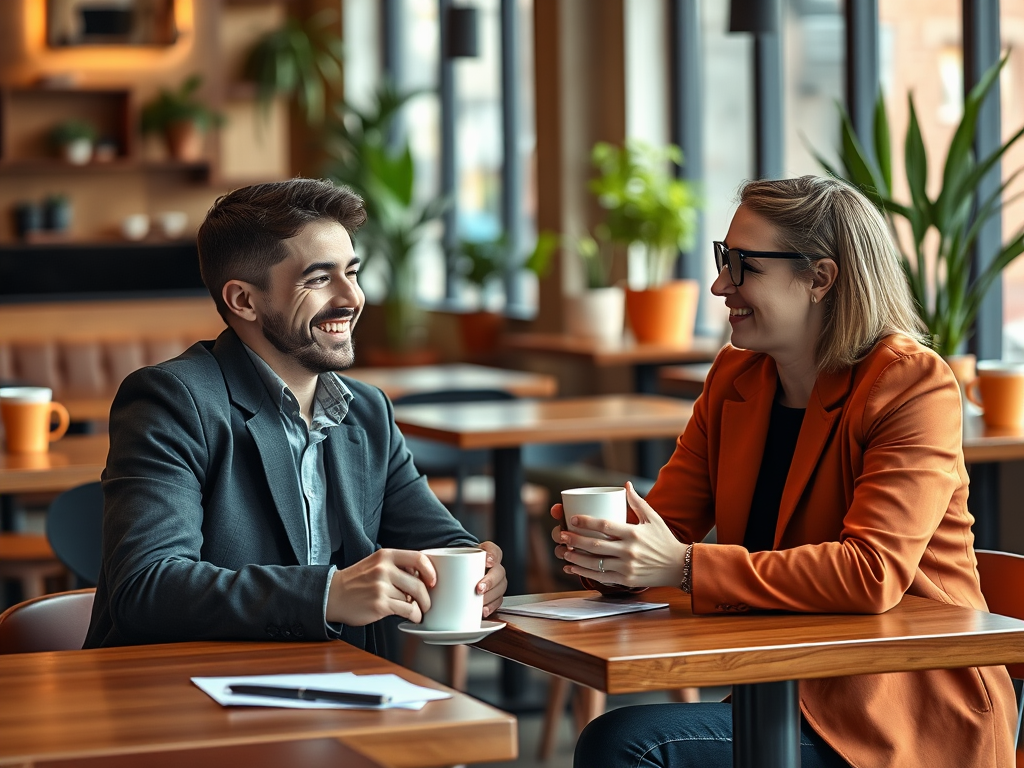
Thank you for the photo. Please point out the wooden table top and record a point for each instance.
(626, 353)
(71, 461)
(683, 380)
(397, 382)
(133, 700)
(671, 648)
(506, 424)
(987, 444)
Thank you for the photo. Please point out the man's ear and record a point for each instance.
(825, 273)
(238, 296)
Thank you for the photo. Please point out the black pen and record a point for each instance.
(310, 694)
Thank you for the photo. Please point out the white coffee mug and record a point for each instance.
(455, 605)
(602, 502)
(135, 226)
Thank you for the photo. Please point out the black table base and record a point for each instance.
(766, 725)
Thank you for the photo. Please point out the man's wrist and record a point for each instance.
(686, 584)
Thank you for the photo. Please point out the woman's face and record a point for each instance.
(771, 311)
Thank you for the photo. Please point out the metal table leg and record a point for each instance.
(510, 534)
(650, 454)
(766, 725)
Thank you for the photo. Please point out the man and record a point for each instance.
(252, 493)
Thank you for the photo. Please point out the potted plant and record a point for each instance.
(599, 311)
(300, 59)
(648, 209)
(943, 230)
(183, 119)
(74, 138)
(484, 264)
(383, 172)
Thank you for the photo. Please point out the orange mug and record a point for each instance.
(999, 391)
(27, 414)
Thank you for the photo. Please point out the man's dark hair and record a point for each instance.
(243, 234)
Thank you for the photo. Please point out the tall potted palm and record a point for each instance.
(944, 229)
(363, 156)
(648, 208)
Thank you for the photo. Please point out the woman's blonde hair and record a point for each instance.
(827, 218)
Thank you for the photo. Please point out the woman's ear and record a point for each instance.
(238, 296)
(825, 273)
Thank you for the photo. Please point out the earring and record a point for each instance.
(814, 299)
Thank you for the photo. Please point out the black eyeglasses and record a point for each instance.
(733, 257)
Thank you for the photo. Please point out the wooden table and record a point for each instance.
(71, 461)
(683, 380)
(504, 427)
(645, 360)
(397, 382)
(761, 655)
(122, 706)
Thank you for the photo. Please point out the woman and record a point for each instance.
(826, 449)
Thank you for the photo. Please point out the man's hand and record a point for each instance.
(390, 582)
(494, 583)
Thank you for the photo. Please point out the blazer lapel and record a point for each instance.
(249, 394)
(744, 430)
(822, 415)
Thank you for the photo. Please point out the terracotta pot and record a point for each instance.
(664, 315)
(382, 357)
(598, 313)
(184, 141)
(480, 332)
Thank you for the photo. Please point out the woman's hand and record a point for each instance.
(495, 582)
(643, 555)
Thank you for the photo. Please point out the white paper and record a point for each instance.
(404, 695)
(577, 608)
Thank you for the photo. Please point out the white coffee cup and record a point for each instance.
(602, 502)
(173, 223)
(455, 605)
(135, 226)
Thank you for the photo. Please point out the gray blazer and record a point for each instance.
(203, 523)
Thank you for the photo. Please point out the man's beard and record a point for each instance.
(306, 350)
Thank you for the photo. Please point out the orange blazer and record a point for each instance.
(874, 507)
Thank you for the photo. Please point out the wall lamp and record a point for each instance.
(462, 38)
(757, 16)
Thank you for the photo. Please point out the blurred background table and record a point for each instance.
(644, 359)
(398, 382)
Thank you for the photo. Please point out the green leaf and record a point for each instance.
(917, 163)
(883, 147)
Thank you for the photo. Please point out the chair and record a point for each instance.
(54, 622)
(74, 526)
(1002, 579)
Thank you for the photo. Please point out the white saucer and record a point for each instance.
(451, 637)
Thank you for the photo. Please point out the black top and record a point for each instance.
(783, 431)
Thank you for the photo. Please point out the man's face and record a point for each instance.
(313, 300)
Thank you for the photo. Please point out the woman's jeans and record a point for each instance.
(680, 736)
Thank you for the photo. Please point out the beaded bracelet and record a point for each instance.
(687, 583)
